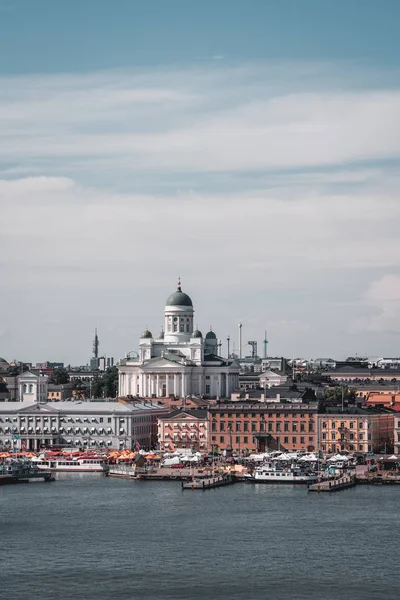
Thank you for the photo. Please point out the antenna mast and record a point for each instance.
(96, 344)
(265, 342)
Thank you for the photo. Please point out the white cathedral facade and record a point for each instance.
(179, 361)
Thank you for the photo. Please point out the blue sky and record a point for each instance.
(250, 147)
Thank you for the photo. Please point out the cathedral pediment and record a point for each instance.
(161, 363)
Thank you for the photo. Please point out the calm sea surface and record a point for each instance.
(89, 537)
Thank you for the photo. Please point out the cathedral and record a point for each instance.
(180, 361)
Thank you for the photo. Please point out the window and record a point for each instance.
(333, 424)
(324, 436)
(181, 327)
(237, 439)
(245, 439)
(294, 427)
(351, 446)
(254, 416)
(285, 440)
(324, 425)
(253, 427)
(302, 440)
(214, 426)
(278, 427)
(360, 425)
(351, 436)
(187, 327)
(302, 416)
(222, 426)
(207, 389)
(109, 420)
(269, 426)
(221, 438)
(302, 427)
(213, 438)
(310, 427)
(342, 424)
(361, 436)
(333, 435)
(294, 440)
(369, 436)
(101, 419)
(351, 424)
(245, 426)
(237, 426)
(286, 427)
(262, 426)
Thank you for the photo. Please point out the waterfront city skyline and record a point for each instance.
(255, 155)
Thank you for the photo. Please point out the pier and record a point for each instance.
(209, 483)
(333, 485)
(25, 477)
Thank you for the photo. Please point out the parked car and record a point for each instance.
(178, 466)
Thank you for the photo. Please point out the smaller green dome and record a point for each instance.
(211, 336)
(146, 334)
(197, 334)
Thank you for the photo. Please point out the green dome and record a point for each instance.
(211, 336)
(146, 334)
(197, 334)
(179, 298)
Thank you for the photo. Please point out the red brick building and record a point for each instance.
(255, 426)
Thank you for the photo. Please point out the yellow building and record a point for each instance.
(355, 430)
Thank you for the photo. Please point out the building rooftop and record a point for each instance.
(78, 406)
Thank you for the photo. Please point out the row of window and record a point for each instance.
(352, 425)
(271, 427)
(245, 439)
(342, 436)
(255, 415)
(352, 447)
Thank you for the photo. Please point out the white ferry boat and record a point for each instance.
(74, 464)
(271, 473)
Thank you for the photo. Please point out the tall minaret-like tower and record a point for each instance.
(96, 344)
(265, 342)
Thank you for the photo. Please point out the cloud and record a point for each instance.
(271, 189)
(383, 298)
(202, 120)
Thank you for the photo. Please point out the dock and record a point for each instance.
(333, 485)
(47, 476)
(209, 483)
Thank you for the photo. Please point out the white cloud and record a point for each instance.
(383, 299)
(202, 120)
(249, 182)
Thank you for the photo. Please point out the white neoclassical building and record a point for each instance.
(179, 361)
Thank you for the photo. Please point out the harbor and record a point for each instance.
(22, 471)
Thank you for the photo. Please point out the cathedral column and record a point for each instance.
(167, 385)
(227, 391)
(200, 385)
(176, 385)
(183, 385)
(158, 386)
(149, 386)
(220, 385)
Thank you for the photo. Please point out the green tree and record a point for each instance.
(106, 385)
(59, 376)
(334, 394)
(110, 378)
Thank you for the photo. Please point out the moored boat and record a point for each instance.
(273, 473)
(75, 464)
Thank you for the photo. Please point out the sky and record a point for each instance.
(251, 148)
